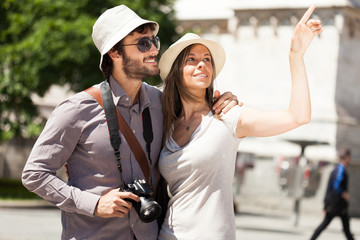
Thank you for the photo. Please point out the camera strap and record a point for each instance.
(115, 121)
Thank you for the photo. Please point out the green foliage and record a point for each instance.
(13, 189)
(45, 42)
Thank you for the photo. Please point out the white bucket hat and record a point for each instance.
(169, 56)
(115, 24)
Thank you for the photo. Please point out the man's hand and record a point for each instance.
(224, 102)
(112, 204)
(346, 196)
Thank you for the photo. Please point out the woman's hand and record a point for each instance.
(304, 33)
(259, 123)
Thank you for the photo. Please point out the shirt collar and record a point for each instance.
(121, 98)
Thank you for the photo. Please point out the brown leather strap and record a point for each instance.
(128, 134)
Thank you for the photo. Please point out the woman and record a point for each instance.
(198, 156)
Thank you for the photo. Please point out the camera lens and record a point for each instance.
(149, 210)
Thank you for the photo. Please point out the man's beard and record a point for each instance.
(136, 70)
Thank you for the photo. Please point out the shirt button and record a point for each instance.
(134, 131)
(127, 99)
(132, 225)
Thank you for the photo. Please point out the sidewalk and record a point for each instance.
(38, 220)
(260, 223)
(29, 221)
(25, 204)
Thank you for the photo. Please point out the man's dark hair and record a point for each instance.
(344, 153)
(107, 63)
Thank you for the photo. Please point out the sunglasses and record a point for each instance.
(144, 44)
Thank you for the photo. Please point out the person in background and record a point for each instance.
(76, 135)
(198, 157)
(337, 197)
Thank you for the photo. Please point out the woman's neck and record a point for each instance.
(193, 108)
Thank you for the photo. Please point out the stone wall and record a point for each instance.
(13, 155)
(347, 99)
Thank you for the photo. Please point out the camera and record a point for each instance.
(147, 208)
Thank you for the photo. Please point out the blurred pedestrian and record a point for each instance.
(337, 198)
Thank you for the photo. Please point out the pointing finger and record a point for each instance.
(307, 14)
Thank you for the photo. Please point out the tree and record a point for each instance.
(45, 42)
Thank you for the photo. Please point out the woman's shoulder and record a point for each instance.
(234, 112)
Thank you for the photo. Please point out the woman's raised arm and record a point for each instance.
(253, 122)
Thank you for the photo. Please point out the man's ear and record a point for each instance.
(113, 54)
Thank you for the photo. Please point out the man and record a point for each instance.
(77, 135)
(337, 197)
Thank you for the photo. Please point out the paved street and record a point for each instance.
(264, 213)
(253, 223)
(274, 225)
(30, 223)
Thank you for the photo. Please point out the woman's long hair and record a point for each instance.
(174, 88)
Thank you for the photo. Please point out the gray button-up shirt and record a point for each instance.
(76, 133)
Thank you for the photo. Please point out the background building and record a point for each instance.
(256, 36)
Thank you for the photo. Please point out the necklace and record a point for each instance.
(187, 127)
(193, 120)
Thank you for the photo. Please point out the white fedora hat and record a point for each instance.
(115, 24)
(169, 56)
